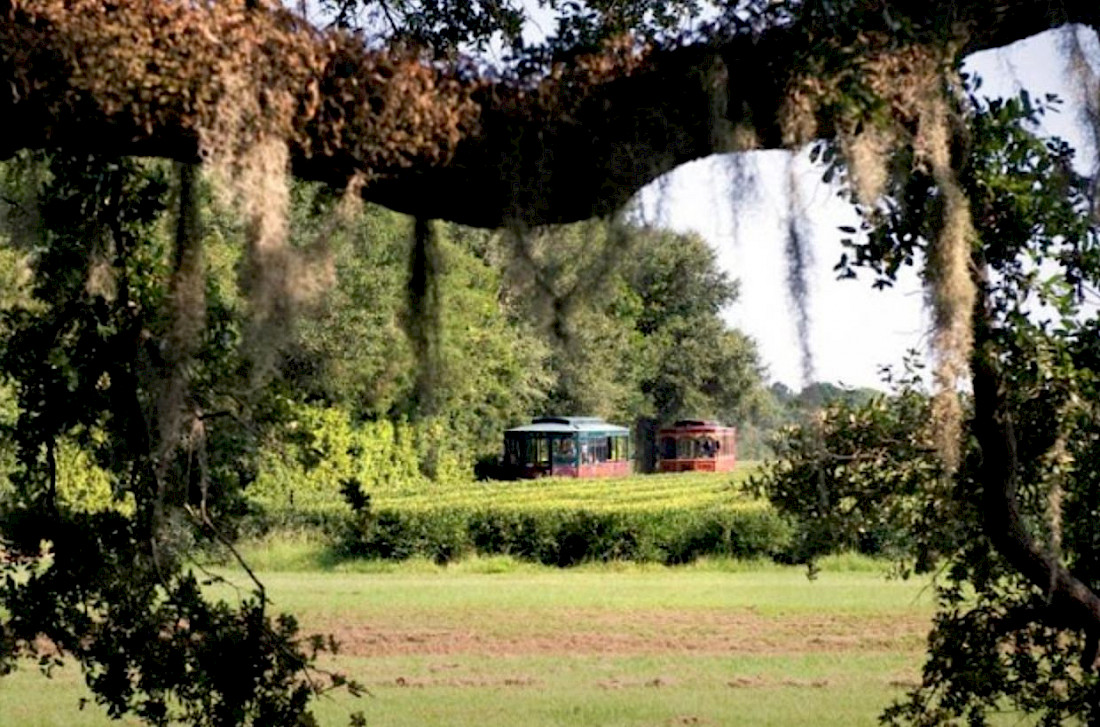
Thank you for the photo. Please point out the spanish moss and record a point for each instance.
(187, 315)
(950, 288)
(1083, 73)
(799, 260)
(423, 319)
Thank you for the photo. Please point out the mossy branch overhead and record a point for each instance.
(191, 81)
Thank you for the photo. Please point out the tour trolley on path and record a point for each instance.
(567, 447)
(694, 445)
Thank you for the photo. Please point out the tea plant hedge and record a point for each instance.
(567, 536)
(673, 518)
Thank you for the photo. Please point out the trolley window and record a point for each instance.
(538, 451)
(565, 451)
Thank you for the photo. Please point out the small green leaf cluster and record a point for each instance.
(324, 449)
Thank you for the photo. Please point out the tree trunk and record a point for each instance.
(1071, 602)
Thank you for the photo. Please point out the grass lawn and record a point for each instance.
(492, 643)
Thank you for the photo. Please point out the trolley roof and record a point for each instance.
(696, 425)
(568, 425)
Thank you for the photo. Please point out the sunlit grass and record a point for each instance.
(302, 551)
(492, 641)
(801, 651)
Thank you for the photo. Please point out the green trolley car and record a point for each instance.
(567, 447)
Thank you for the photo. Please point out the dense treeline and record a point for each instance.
(597, 318)
(601, 318)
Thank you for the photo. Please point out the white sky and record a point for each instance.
(854, 329)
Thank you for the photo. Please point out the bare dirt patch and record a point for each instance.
(813, 683)
(747, 682)
(757, 682)
(631, 633)
(469, 683)
(655, 682)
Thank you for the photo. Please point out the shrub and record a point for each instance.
(299, 483)
(566, 537)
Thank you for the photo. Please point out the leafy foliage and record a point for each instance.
(450, 25)
(86, 355)
(865, 476)
(1006, 633)
(639, 332)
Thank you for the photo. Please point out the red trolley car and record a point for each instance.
(696, 445)
(567, 447)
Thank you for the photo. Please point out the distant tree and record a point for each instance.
(820, 394)
(699, 367)
(350, 350)
(778, 407)
(492, 366)
(640, 331)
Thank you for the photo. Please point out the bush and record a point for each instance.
(299, 482)
(567, 537)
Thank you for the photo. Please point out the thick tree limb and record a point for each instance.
(151, 77)
(1075, 602)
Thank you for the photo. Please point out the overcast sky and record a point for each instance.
(854, 330)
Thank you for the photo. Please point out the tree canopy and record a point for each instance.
(610, 108)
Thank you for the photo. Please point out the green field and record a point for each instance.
(636, 493)
(499, 641)
(670, 518)
(696, 490)
(493, 643)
